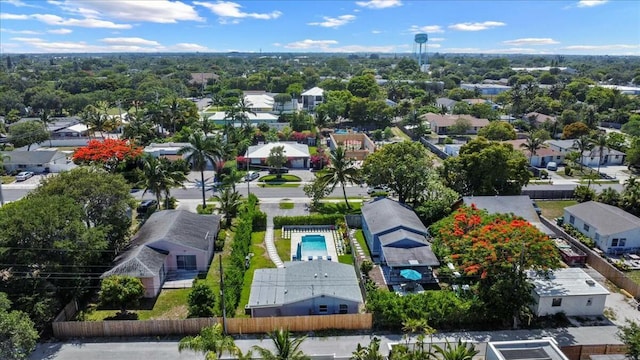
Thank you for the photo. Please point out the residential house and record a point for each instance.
(203, 78)
(486, 89)
(301, 288)
(297, 154)
(519, 205)
(537, 119)
(543, 155)
(312, 98)
(570, 291)
(446, 103)
(475, 101)
(589, 157)
(613, 229)
(170, 240)
(545, 348)
(38, 161)
(440, 124)
(397, 240)
(258, 101)
(357, 145)
(255, 119)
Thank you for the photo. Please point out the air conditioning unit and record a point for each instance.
(590, 282)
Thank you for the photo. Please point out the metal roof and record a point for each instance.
(315, 91)
(566, 282)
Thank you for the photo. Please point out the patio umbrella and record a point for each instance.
(410, 274)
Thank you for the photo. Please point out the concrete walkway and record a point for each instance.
(271, 245)
(272, 209)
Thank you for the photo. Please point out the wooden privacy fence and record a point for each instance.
(134, 328)
(584, 352)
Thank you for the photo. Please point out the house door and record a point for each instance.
(186, 262)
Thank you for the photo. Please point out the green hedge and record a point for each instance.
(578, 235)
(280, 221)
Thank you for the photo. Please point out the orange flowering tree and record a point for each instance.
(108, 153)
(496, 251)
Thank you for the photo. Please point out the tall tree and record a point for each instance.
(17, 333)
(228, 203)
(159, 178)
(276, 159)
(201, 151)
(341, 171)
(211, 341)
(27, 133)
(286, 348)
(532, 145)
(3, 157)
(601, 143)
(45, 119)
(583, 144)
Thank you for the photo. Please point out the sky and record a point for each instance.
(578, 27)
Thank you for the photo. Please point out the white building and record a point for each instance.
(545, 348)
(297, 154)
(312, 98)
(220, 118)
(486, 89)
(570, 291)
(37, 161)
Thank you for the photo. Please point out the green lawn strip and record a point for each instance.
(6, 179)
(363, 244)
(283, 178)
(283, 246)
(259, 260)
(634, 275)
(397, 132)
(583, 181)
(171, 304)
(283, 185)
(213, 275)
(286, 204)
(346, 259)
(357, 198)
(338, 208)
(552, 209)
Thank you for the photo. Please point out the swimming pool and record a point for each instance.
(313, 246)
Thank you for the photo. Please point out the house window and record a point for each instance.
(597, 237)
(614, 242)
(585, 227)
(622, 242)
(344, 308)
(572, 219)
(556, 302)
(558, 157)
(323, 309)
(186, 262)
(589, 301)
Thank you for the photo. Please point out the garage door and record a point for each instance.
(297, 163)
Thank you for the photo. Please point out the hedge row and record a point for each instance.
(280, 221)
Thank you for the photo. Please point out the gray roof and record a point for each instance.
(519, 205)
(385, 214)
(445, 102)
(414, 256)
(179, 227)
(303, 280)
(566, 282)
(19, 157)
(390, 238)
(141, 261)
(594, 152)
(606, 219)
(563, 144)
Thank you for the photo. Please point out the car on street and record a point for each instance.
(24, 175)
(283, 170)
(377, 189)
(146, 205)
(252, 175)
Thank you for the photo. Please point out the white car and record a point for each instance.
(24, 175)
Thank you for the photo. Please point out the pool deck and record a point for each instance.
(296, 237)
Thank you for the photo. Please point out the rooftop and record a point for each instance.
(291, 150)
(606, 219)
(542, 349)
(385, 214)
(449, 120)
(519, 205)
(566, 282)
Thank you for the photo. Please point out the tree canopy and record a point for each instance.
(17, 333)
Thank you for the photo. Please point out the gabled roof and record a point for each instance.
(385, 214)
(408, 238)
(450, 120)
(416, 256)
(140, 262)
(445, 102)
(314, 91)
(519, 205)
(179, 227)
(606, 219)
(221, 115)
(19, 157)
(291, 149)
(539, 117)
(303, 280)
(566, 282)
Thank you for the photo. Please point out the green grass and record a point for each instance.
(346, 259)
(554, 208)
(283, 178)
(397, 132)
(259, 260)
(283, 246)
(338, 208)
(363, 243)
(171, 304)
(6, 179)
(634, 275)
(286, 204)
(313, 150)
(282, 185)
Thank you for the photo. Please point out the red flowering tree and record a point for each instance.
(496, 250)
(108, 153)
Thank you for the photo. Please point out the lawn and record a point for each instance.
(259, 260)
(552, 209)
(634, 275)
(171, 304)
(283, 178)
(283, 246)
(397, 132)
(286, 204)
(363, 243)
(6, 179)
(279, 184)
(346, 259)
(338, 208)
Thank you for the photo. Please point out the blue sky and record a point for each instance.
(598, 27)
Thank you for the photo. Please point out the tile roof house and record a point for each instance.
(39, 161)
(397, 240)
(589, 157)
(538, 119)
(543, 156)
(519, 205)
(305, 288)
(570, 291)
(613, 229)
(170, 240)
(440, 124)
(297, 154)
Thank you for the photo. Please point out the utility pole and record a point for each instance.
(247, 179)
(224, 310)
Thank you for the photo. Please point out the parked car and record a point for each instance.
(377, 189)
(283, 170)
(552, 166)
(252, 175)
(537, 208)
(24, 175)
(146, 205)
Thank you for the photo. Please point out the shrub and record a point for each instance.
(280, 221)
(583, 193)
(201, 301)
(205, 211)
(573, 232)
(568, 171)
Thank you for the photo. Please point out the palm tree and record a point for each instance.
(2, 158)
(341, 170)
(371, 352)
(461, 351)
(211, 341)
(200, 151)
(46, 120)
(600, 142)
(286, 348)
(159, 178)
(228, 203)
(583, 144)
(232, 178)
(533, 144)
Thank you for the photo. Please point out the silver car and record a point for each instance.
(24, 175)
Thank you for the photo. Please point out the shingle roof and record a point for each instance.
(450, 120)
(606, 219)
(179, 227)
(385, 214)
(520, 205)
(302, 280)
(140, 262)
(416, 256)
(19, 157)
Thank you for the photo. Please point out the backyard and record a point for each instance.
(552, 209)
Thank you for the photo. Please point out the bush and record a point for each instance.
(583, 193)
(573, 232)
(201, 301)
(568, 171)
(280, 221)
(173, 202)
(205, 211)
(259, 221)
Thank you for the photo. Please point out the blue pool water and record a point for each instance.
(312, 245)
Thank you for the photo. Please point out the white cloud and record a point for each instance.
(157, 11)
(376, 31)
(436, 39)
(18, 3)
(591, 3)
(379, 4)
(189, 47)
(603, 47)
(334, 22)
(434, 46)
(514, 50)
(87, 22)
(60, 31)
(228, 9)
(310, 44)
(531, 41)
(23, 32)
(130, 41)
(477, 26)
(6, 16)
(461, 50)
(363, 48)
(429, 29)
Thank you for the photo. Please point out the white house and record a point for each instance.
(543, 156)
(39, 161)
(220, 118)
(589, 157)
(486, 89)
(545, 348)
(312, 98)
(570, 291)
(613, 229)
(297, 154)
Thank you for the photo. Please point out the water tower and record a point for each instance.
(420, 40)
